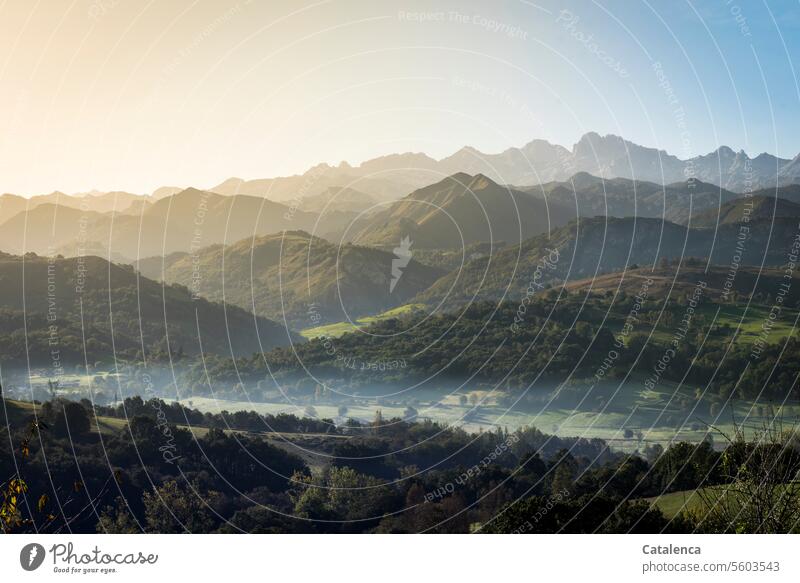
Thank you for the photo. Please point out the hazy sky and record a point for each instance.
(132, 95)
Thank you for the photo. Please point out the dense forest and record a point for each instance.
(169, 469)
(498, 346)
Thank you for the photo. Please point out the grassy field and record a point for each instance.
(675, 503)
(699, 502)
(339, 328)
(748, 320)
(19, 411)
(752, 320)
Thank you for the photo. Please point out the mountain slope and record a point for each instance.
(10, 205)
(338, 199)
(603, 245)
(188, 220)
(757, 207)
(193, 219)
(386, 186)
(294, 275)
(679, 282)
(101, 202)
(45, 228)
(458, 211)
(54, 309)
(621, 197)
(94, 202)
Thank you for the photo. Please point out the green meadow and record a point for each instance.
(339, 328)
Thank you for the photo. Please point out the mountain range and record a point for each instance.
(537, 162)
(454, 213)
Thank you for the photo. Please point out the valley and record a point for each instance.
(375, 330)
(350, 267)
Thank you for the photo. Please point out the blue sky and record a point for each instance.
(127, 95)
(732, 66)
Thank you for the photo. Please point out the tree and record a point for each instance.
(564, 473)
(653, 452)
(462, 400)
(117, 519)
(588, 514)
(342, 494)
(759, 496)
(342, 410)
(71, 419)
(175, 509)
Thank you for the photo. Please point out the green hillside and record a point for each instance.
(458, 211)
(90, 309)
(295, 276)
(595, 247)
(757, 207)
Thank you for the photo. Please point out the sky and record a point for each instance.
(134, 95)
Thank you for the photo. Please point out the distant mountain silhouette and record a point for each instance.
(101, 202)
(537, 162)
(338, 199)
(386, 186)
(46, 228)
(188, 220)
